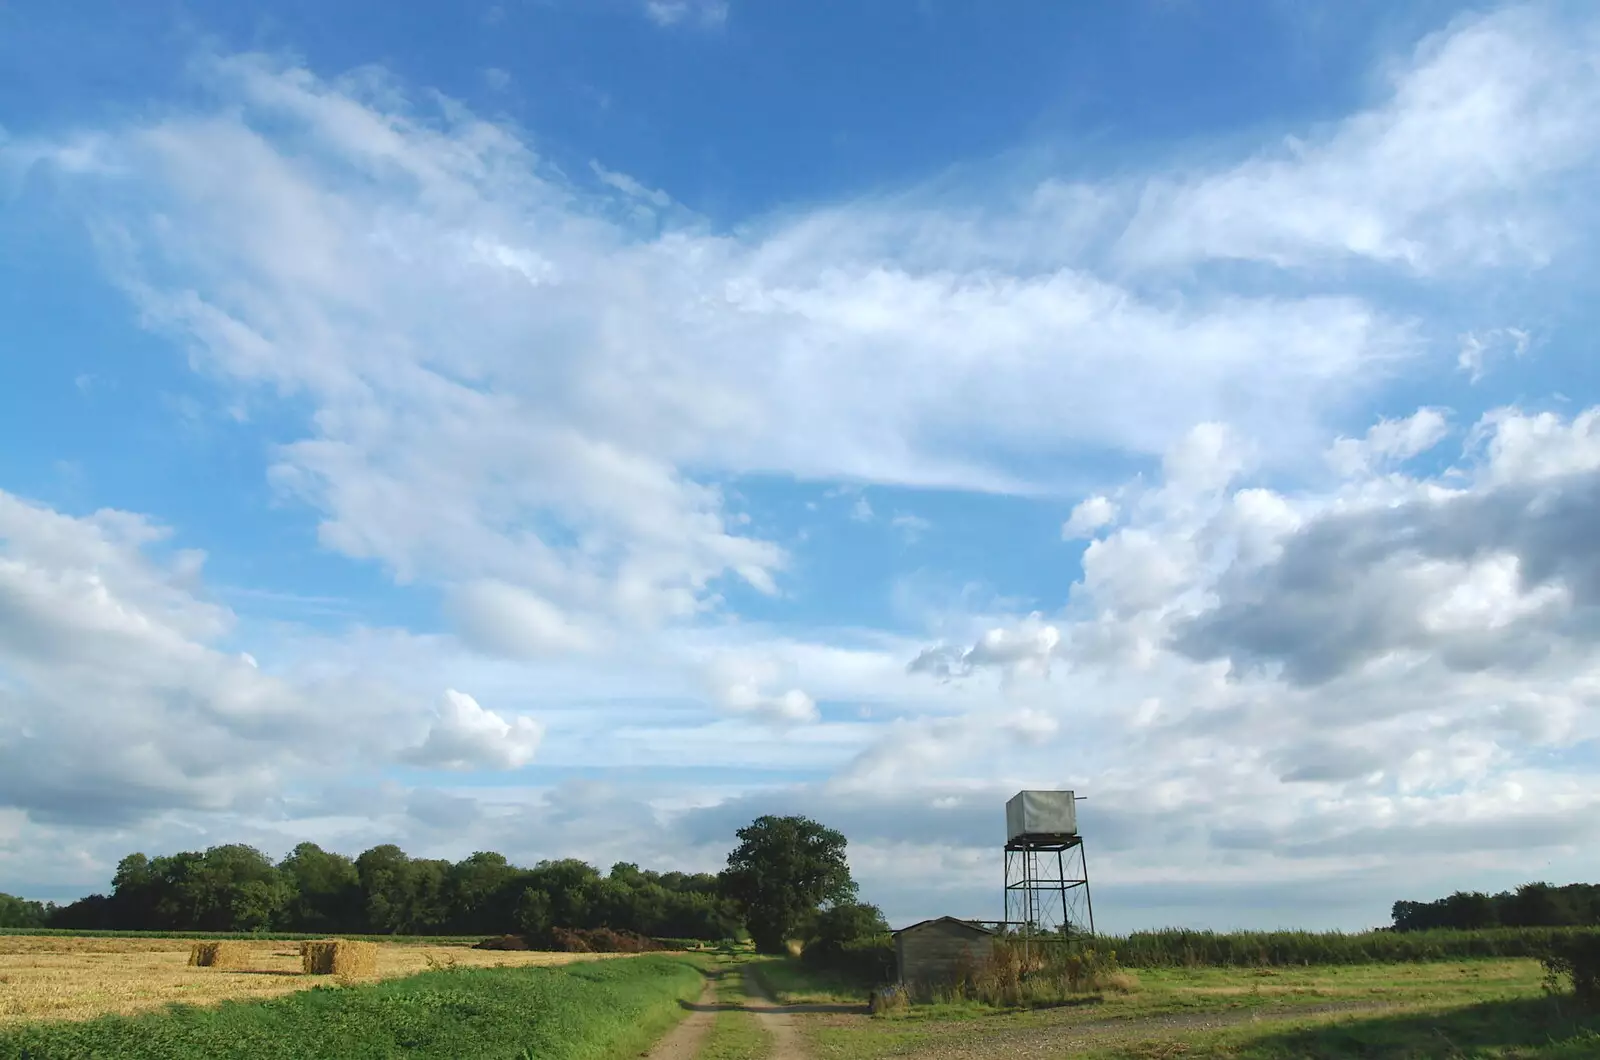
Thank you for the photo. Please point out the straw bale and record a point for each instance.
(219, 955)
(339, 957)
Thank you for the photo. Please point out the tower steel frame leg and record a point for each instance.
(1041, 904)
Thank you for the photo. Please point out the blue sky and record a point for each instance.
(578, 425)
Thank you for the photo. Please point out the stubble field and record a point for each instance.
(76, 978)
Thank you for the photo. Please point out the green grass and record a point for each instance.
(592, 1011)
(734, 1035)
(1486, 1004)
(792, 983)
(1516, 1029)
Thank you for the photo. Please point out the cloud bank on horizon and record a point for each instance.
(1251, 490)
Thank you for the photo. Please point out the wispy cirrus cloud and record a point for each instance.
(680, 12)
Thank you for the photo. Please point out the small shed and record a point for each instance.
(940, 950)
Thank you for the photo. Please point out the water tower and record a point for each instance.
(1047, 878)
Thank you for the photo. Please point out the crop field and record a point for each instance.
(61, 977)
(591, 1010)
(1248, 949)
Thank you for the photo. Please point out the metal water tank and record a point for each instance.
(1041, 813)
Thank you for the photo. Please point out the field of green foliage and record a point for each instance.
(575, 1012)
(1176, 948)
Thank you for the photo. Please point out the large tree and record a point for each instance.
(325, 890)
(783, 870)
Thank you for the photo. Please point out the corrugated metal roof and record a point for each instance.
(947, 919)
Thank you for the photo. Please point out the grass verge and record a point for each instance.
(1325, 1013)
(579, 1012)
(735, 1035)
(789, 982)
(1515, 1029)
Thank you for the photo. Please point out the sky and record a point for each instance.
(577, 427)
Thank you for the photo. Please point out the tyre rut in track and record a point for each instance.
(683, 1042)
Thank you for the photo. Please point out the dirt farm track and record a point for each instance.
(70, 978)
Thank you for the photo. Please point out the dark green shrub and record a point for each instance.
(852, 939)
(1578, 961)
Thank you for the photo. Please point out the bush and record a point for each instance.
(888, 1001)
(1014, 976)
(1578, 961)
(868, 961)
(601, 940)
(852, 939)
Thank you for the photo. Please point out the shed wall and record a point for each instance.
(939, 953)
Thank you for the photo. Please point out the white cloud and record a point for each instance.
(465, 736)
(1205, 460)
(1320, 674)
(1477, 348)
(1470, 160)
(117, 697)
(744, 685)
(497, 79)
(1089, 515)
(1389, 441)
(631, 187)
(673, 12)
(1023, 648)
(911, 527)
(514, 622)
(1521, 447)
(393, 267)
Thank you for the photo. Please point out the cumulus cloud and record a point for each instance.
(1205, 459)
(1538, 447)
(1026, 647)
(466, 736)
(1494, 575)
(1309, 672)
(746, 685)
(1087, 516)
(117, 698)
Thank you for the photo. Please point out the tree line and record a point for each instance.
(1531, 905)
(384, 891)
(788, 878)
